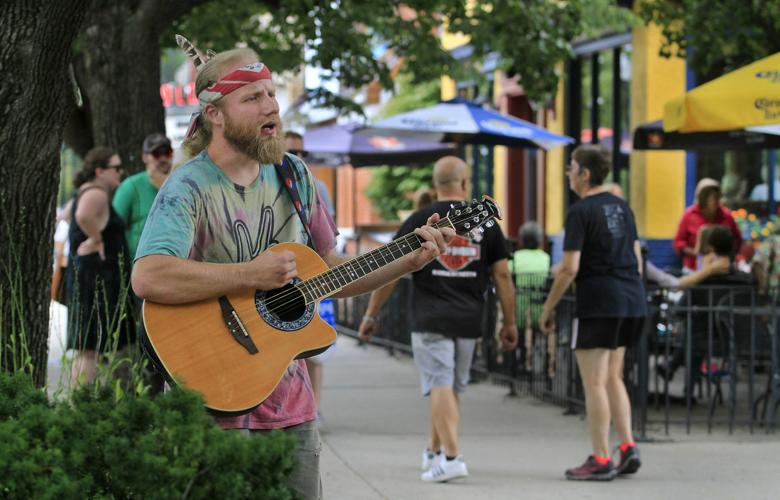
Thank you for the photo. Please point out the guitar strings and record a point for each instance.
(382, 251)
(288, 305)
(297, 291)
(355, 269)
(275, 300)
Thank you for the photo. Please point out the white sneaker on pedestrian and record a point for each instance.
(429, 458)
(446, 470)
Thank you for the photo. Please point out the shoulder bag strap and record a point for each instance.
(287, 176)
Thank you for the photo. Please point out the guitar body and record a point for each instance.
(197, 347)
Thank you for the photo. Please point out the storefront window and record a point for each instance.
(601, 90)
(742, 176)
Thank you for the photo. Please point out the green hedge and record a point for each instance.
(95, 446)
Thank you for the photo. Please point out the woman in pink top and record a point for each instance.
(706, 211)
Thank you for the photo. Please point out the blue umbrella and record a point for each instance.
(344, 144)
(459, 120)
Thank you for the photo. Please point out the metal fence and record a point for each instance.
(708, 355)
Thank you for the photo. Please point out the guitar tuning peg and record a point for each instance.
(490, 223)
(473, 200)
(452, 205)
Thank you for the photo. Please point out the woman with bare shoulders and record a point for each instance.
(99, 317)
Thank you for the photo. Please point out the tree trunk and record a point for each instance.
(118, 72)
(36, 37)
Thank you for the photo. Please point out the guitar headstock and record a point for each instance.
(468, 217)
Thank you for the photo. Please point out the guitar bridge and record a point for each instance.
(235, 326)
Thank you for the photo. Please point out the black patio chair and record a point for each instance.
(744, 337)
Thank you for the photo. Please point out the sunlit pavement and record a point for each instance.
(376, 423)
(58, 322)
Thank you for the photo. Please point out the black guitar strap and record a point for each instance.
(290, 181)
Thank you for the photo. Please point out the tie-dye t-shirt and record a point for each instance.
(200, 214)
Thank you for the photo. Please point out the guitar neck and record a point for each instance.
(338, 277)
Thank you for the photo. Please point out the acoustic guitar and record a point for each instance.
(235, 349)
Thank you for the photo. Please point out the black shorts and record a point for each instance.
(605, 333)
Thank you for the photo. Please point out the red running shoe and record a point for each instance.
(591, 470)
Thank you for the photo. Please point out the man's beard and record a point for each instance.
(247, 139)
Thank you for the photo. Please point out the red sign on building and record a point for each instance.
(178, 95)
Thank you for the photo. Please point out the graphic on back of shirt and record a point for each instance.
(616, 220)
(461, 252)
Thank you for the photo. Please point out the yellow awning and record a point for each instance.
(746, 97)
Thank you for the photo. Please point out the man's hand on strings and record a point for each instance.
(271, 270)
(435, 242)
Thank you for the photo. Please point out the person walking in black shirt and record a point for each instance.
(601, 254)
(449, 299)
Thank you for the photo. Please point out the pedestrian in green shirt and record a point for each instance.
(530, 265)
(133, 199)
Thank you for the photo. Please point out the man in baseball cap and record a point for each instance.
(133, 198)
(132, 202)
(155, 141)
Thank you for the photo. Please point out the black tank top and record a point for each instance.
(113, 234)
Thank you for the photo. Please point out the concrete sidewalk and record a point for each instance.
(376, 425)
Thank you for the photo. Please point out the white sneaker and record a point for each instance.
(446, 470)
(429, 458)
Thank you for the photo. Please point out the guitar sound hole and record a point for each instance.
(286, 303)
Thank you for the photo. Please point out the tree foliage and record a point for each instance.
(390, 187)
(118, 52)
(717, 36)
(530, 35)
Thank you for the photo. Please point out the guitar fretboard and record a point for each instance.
(337, 277)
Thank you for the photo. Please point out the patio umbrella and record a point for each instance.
(343, 144)
(749, 96)
(462, 121)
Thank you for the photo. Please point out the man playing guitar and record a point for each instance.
(216, 214)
